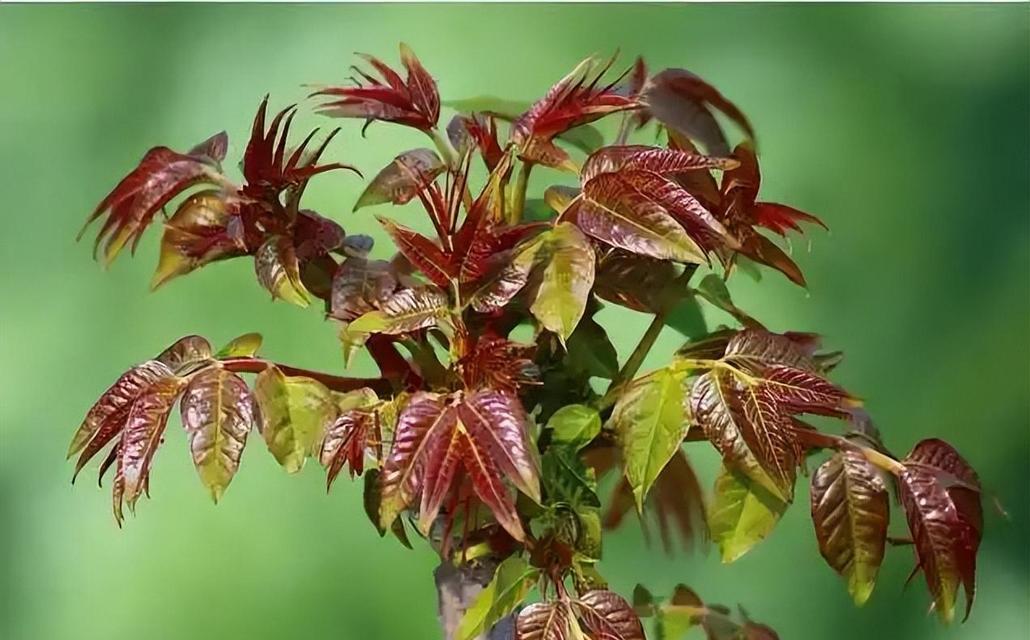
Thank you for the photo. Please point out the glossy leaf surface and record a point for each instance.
(295, 412)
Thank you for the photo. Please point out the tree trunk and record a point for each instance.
(457, 588)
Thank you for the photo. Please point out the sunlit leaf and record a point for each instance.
(201, 231)
(650, 422)
(244, 346)
(295, 412)
(423, 253)
(742, 514)
(574, 425)
(413, 102)
(107, 417)
(565, 283)
(509, 587)
(217, 413)
(498, 421)
(185, 353)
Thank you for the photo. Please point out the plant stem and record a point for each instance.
(838, 443)
(336, 383)
(450, 157)
(636, 359)
(518, 194)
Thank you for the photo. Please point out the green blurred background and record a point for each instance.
(904, 127)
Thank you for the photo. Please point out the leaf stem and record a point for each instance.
(450, 156)
(518, 194)
(839, 443)
(335, 383)
(636, 358)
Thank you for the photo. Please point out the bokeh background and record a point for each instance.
(904, 127)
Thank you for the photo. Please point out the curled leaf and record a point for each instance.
(279, 272)
(402, 179)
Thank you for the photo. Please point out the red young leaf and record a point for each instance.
(741, 214)
(498, 421)
(607, 616)
(747, 427)
(941, 496)
(424, 254)
(663, 162)
(480, 130)
(634, 281)
(202, 230)
(346, 440)
(575, 100)
(268, 169)
(161, 175)
(214, 148)
(360, 286)
(185, 353)
(106, 418)
(682, 101)
(413, 102)
(403, 475)
(278, 270)
(500, 364)
(144, 428)
(850, 512)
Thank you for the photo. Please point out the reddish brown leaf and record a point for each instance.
(185, 353)
(424, 254)
(278, 270)
(402, 179)
(615, 211)
(500, 364)
(413, 102)
(850, 512)
(346, 441)
(485, 475)
(544, 621)
(161, 175)
(664, 162)
(757, 349)
(498, 421)
(403, 473)
(805, 392)
(747, 427)
(266, 167)
(683, 102)
(144, 428)
(202, 231)
(360, 286)
(480, 130)
(107, 417)
(634, 281)
(607, 616)
(941, 496)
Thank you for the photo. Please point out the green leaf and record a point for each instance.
(566, 281)
(686, 318)
(713, 289)
(511, 583)
(574, 425)
(590, 351)
(294, 414)
(650, 422)
(742, 514)
(245, 346)
(567, 479)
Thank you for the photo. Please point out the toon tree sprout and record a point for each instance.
(489, 448)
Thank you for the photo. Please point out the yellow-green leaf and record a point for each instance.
(244, 346)
(566, 280)
(508, 588)
(279, 272)
(742, 514)
(650, 422)
(574, 425)
(294, 414)
(217, 413)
